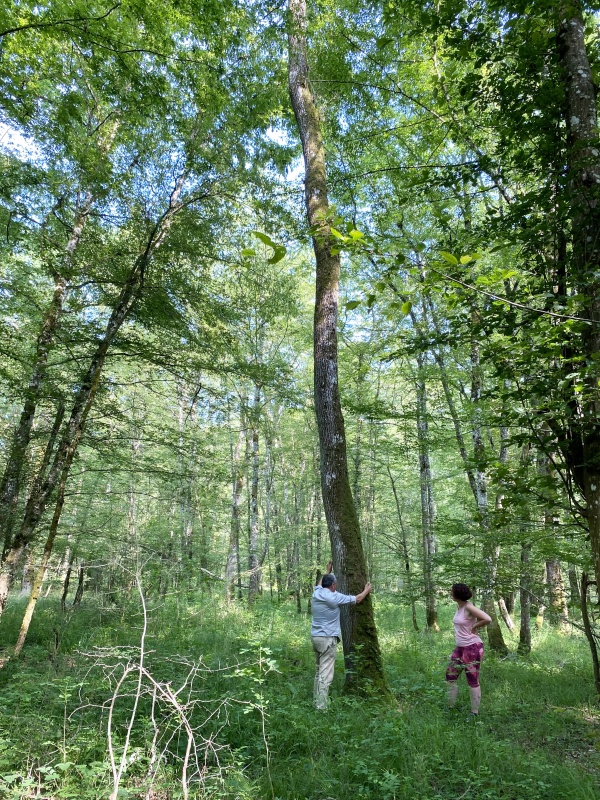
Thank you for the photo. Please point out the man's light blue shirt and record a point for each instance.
(326, 611)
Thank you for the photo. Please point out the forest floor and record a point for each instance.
(222, 709)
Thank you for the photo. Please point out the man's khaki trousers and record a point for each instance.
(325, 648)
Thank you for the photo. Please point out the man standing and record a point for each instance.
(326, 632)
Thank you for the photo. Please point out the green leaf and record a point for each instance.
(352, 304)
(279, 253)
(338, 235)
(406, 307)
(354, 234)
(465, 259)
(449, 257)
(279, 250)
(264, 238)
(248, 252)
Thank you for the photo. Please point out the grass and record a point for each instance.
(538, 736)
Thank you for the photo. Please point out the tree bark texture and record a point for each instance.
(253, 565)
(427, 499)
(581, 444)
(558, 610)
(524, 647)
(237, 486)
(358, 624)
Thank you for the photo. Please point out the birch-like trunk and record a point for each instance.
(490, 549)
(427, 499)
(503, 460)
(237, 486)
(253, 562)
(358, 624)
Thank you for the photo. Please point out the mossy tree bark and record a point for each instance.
(359, 634)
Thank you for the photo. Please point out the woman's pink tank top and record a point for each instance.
(463, 622)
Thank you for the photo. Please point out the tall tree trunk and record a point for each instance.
(237, 485)
(358, 624)
(270, 510)
(590, 635)
(80, 585)
(458, 429)
(558, 611)
(574, 595)
(404, 551)
(524, 647)
(541, 609)
(66, 582)
(503, 459)
(253, 565)
(582, 444)
(427, 499)
(39, 577)
(490, 549)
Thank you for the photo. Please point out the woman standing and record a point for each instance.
(468, 652)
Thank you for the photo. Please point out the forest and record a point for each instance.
(284, 283)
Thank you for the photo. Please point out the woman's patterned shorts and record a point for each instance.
(467, 658)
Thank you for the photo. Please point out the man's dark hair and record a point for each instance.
(328, 580)
(460, 591)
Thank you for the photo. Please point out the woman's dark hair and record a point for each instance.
(460, 591)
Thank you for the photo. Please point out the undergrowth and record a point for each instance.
(241, 683)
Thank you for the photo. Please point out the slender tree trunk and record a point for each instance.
(458, 430)
(39, 578)
(541, 609)
(490, 550)
(66, 582)
(427, 500)
(269, 501)
(80, 585)
(558, 611)
(503, 460)
(574, 595)
(505, 614)
(524, 647)
(237, 485)
(509, 602)
(588, 629)
(358, 624)
(186, 461)
(404, 550)
(253, 565)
